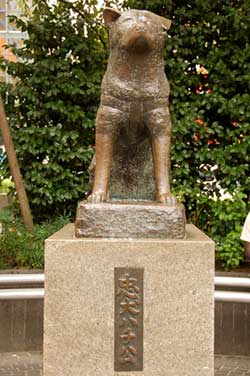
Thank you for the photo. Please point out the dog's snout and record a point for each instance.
(141, 24)
(140, 28)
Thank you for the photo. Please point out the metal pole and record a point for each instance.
(231, 296)
(38, 293)
(16, 294)
(21, 278)
(232, 281)
(39, 278)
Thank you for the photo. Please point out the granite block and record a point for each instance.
(178, 304)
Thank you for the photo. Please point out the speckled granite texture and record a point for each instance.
(178, 304)
(142, 219)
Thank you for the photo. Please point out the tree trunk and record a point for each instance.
(15, 170)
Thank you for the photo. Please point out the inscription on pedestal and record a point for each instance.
(128, 319)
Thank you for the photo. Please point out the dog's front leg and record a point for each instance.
(107, 122)
(161, 156)
(103, 149)
(159, 124)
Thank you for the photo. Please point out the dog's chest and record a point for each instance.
(129, 76)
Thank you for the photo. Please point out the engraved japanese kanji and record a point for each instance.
(129, 319)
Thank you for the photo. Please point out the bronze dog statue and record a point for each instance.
(134, 100)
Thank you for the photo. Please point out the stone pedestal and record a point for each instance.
(134, 219)
(178, 309)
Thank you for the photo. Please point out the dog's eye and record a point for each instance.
(127, 19)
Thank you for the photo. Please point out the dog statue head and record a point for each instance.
(138, 31)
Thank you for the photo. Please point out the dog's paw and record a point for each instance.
(97, 197)
(165, 198)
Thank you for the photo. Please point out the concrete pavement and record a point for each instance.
(21, 364)
(227, 365)
(30, 364)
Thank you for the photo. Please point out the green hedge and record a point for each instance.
(53, 103)
(20, 248)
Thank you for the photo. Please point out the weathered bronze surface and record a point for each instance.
(130, 220)
(128, 319)
(133, 129)
(133, 115)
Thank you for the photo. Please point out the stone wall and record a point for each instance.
(21, 324)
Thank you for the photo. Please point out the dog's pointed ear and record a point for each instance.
(110, 15)
(165, 23)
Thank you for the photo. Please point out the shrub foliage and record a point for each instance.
(20, 248)
(53, 102)
(57, 85)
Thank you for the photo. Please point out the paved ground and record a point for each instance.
(21, 364)
(232, 366)
(30, 364)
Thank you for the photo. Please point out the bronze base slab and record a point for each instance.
(135, 220)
